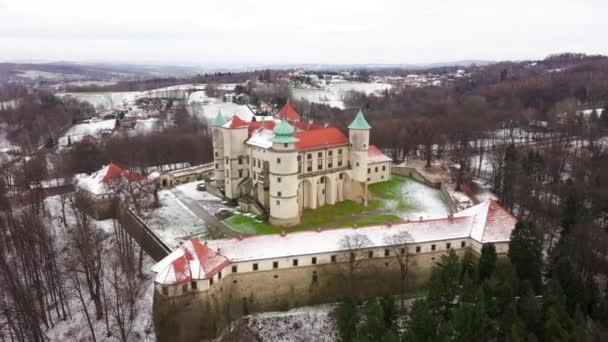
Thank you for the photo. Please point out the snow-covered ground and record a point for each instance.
(144, 126)
(313, 323)
(37, 74)
(107, 100)
(176, 220)
(76, 328)
(92, 128)
(207, 107)
(5, 144)
(424, 201)
(333, 94)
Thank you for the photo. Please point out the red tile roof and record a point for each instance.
(288, 113)
(237, 122)
(320, 138)
(374, 155)
(114, 171)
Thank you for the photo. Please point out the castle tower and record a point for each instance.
(218, 149)
(283, 173)
(358, 136)
(236, 168)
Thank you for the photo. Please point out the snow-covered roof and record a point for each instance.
(374, 155)
(261, 138)
(97, 183)
(485, 222)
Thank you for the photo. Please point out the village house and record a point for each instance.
(280, 167)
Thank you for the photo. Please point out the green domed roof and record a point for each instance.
(283, 133)
(359, 122)
(219, 120)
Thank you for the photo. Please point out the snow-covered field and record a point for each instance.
(333, 94)
(313, 323)
(107, 100)
(92, 128)
(207, 107)
(425, 202)
(76, 328)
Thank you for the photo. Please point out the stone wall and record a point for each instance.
(198, 315)
(137, 229)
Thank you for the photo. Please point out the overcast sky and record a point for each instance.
(305, 31)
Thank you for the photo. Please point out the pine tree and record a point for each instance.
(374, 327)
(487, 262)
(347, 319)
(470, 322)
(553, 330)
(525, 254)
(467, 266)
(529, 312)
(443, 285)
(422, 325)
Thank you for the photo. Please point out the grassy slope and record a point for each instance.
(388, 194)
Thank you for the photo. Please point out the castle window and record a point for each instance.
(185, 288)
(259, 163)
(368, 179)
(255, 267)
(285, 145)
(235, 281)
(333, 258)
(299, 158)
(320, 155)
(210, 281)
(234, 269)
(370, 254)
(369, 171)
(339, 151)
(417, 249)
(165, 290)
(463, 244)
(295, 262)
(448, 245)
(432, 247)
(382, 177)
(387, 252)
(227, 173)
(276, 276)
(279, 194)
(376, 170)
(278, 160)
(240, 160)
(341, 176)
(278, 202)
(193, 285)
(384, 168)
(240, 173)
(330, 153)
(275, 264)
(402, 251)
(339, 162)
(322, 180)
(364, 146)
(226, 160)
(357, 163)
(216, 154)
(319, 164)
(217, 166)
(309, 156)
(219, 274)
(314, 276)
(314, 260)
(278, 179)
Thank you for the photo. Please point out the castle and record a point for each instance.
(281, 166)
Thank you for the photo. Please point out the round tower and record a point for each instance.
(358, 136)
(218, 149)
(283, 173)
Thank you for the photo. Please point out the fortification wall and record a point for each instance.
(199, 315)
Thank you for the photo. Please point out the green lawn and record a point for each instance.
(342, 214)
(388, 194)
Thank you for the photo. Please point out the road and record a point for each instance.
(201, 212)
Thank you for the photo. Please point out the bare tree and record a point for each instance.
(354, 247)
(400, 243)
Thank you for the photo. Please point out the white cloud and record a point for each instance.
(325, 31)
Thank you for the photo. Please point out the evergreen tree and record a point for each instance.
(443, 285)
(470, 322)
(374, 328)
(487, 262)
(557, 322)
(467, 266)
(525, 254)
(347, 319)
(529, 312)
(467, 290)
(572, 213)
(510, 177)
(389, 311)
(423, 324)
(553, 330)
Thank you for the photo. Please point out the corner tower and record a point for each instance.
(358, 136)
(283, 173)
(218, 149)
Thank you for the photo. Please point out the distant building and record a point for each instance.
(282, 166)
